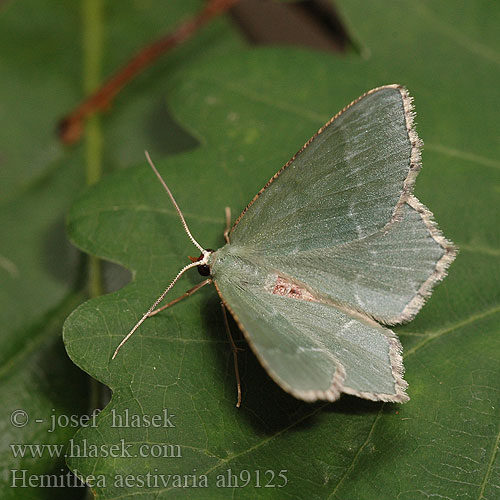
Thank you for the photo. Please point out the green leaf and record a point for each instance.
(250, 111)
(38, 266)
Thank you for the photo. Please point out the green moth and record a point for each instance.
(331, 250)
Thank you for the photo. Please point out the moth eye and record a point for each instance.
(204, 270)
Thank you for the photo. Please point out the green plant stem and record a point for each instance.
(92, 57)
(92, 14)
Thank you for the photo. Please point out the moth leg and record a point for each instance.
(235, 353)
(228, 224)
(183, 296)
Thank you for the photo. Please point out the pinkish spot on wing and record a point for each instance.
(286, 288)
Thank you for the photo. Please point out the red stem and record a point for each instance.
(71, 126)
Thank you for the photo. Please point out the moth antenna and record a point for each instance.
(201, 262)
(158, 300)
(184, 223)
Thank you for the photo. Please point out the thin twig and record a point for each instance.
(70, 128)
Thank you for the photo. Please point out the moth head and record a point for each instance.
(204, 268)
